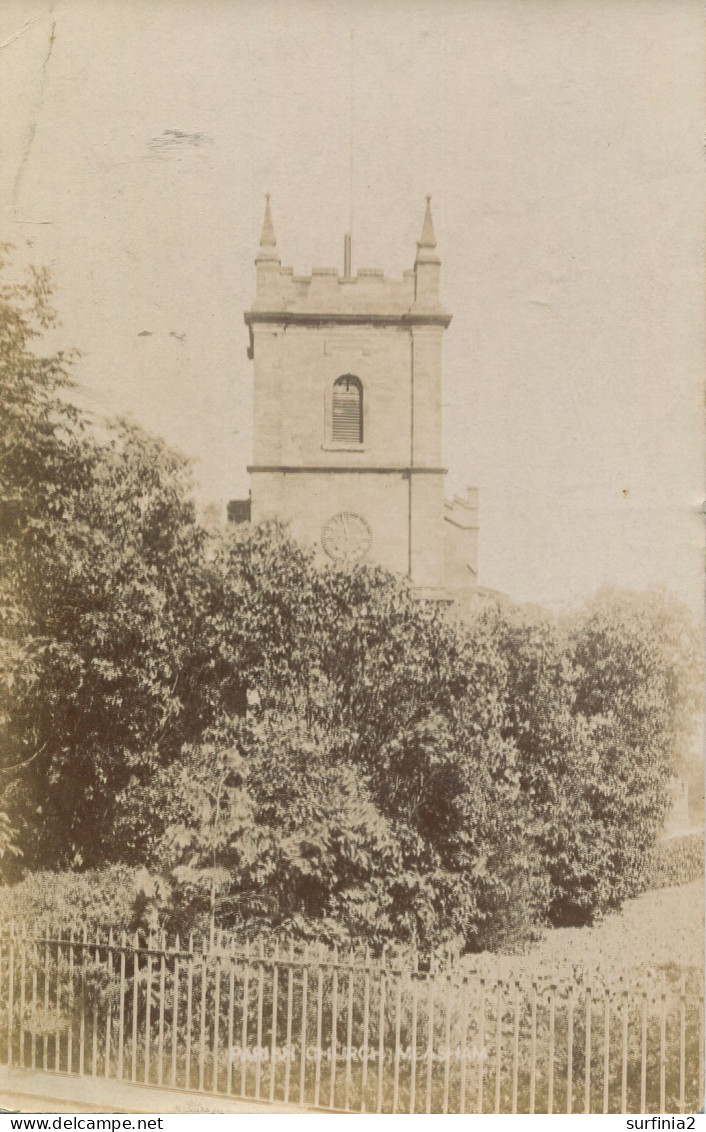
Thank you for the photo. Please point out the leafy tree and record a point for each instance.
(103, 567)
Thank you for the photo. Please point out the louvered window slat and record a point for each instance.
(347, 414)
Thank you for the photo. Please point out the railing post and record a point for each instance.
(175, 1012)
(498, 1041)
(70, 1039)
(662, 1046)
(381, 1033)
(290, 1009)
(319, 1026)
(121, 1008)
(570, 1048)
(624, 1055)
(47, 968)
(202, 1018)
(480, 1037)
(109, 1004)
(430, 1020)
(366, 1024)
(682, 1044)
(217, 971)
(231, 1018)
(413, 1059)
(23, 974)
(606, 1049)
(587, 1061)
(273, 1023)
(305, 1006)
(349, 1033)
(334, 1028)
(135, 1002)
(162, 939)
(189, 1010)
(82, 1020)
(244, 1021)
(33, 1031)
(11, 995)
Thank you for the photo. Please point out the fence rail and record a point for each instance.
(347, 1033)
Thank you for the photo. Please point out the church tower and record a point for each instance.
(348, 416)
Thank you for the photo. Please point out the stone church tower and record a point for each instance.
(348, 407)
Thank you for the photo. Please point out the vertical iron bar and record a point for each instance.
(162, 994)
(682, 1044)
(82, 1025)
(643, 1055)
(175, 1012)
(480, 1037)
(396, 1069)
(700, 1097)
(23, 976)
(366, 1024)
(515, 1044)
(47, 957)
(217, 973)
(108, 1004)
(273, 1024)
(202, 1016)
(231, 1020)
(533, 1048)
(290, 1010)
(624, 1056)
(94, 1011)
(260, 998)
(550, 1070)
(11, 997)
(135, 1003)
(319, 1021)
(334, 1029)
(381, 1033)
(431, 987)
(413, 1059)
(587, 1061)
(244, 1021)
(33, 1032)
(305, 1004)
(498, 1041)
(447, 1040)
(148, 1009)
(189, 1010)
(70, 996)
(570, 1049)
(349, 1034)
(606, 1050)
(663, 1047)
(57, 1035)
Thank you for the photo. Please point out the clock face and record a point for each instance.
(346, 538)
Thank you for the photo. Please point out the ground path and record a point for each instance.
(26, 1090)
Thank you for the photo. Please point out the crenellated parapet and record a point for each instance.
(283, 296)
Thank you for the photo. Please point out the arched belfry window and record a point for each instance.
(347, 410)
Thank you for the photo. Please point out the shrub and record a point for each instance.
(677, 860)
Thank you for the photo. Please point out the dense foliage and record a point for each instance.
(677, 861)
(272, 743)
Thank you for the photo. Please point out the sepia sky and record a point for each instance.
(563, 144)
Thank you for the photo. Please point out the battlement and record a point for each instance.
(463, 512)
(326, 293)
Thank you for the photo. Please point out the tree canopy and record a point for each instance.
(315, 750)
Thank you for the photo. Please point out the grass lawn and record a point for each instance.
(657, 929)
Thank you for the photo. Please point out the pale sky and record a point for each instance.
(563, 144)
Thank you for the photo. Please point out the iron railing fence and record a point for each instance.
(308, 1026)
